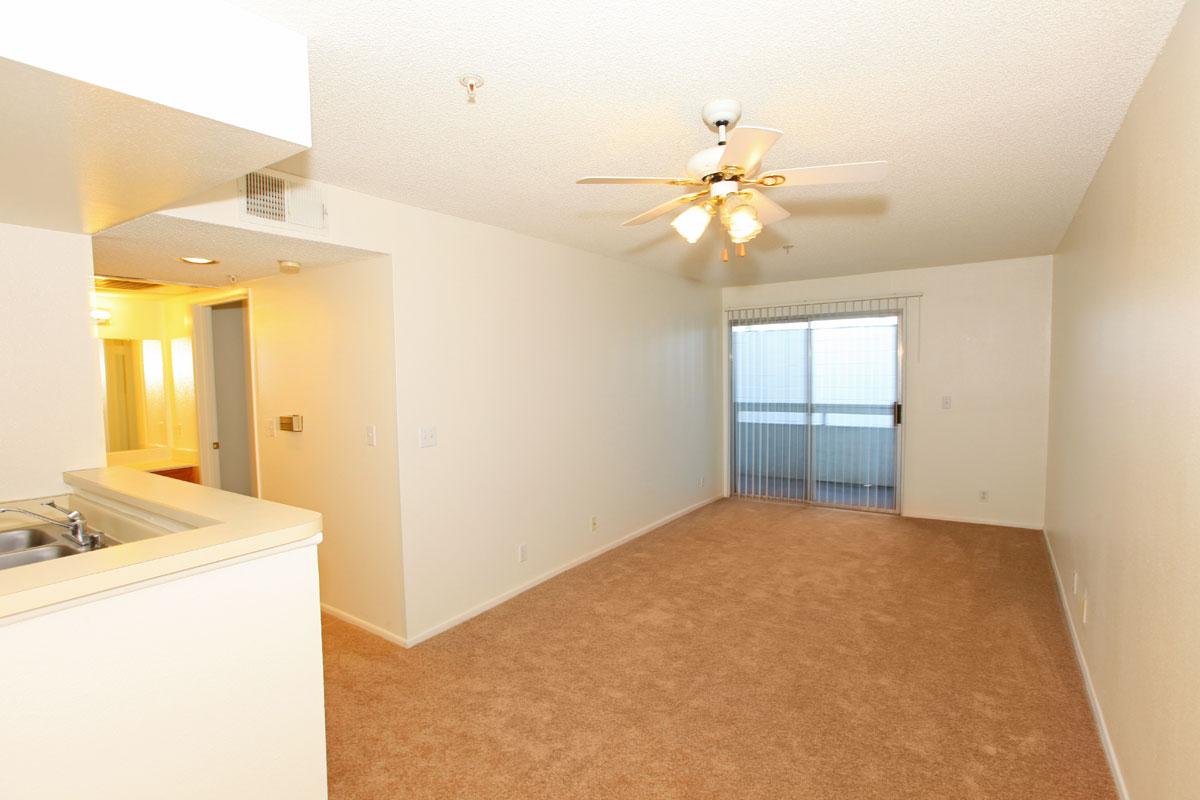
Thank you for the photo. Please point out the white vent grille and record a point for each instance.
(266, 197)
(283, 200)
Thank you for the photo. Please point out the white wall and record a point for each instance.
(324, 348)
(982, 336)
(562, 385)
(200, 686)
(263, 89)
(50, 403)
(1122, 505)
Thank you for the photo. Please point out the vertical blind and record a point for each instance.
(814, 392)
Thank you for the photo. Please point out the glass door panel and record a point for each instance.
(815, 410)
(770, 409)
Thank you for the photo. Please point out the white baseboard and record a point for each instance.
(511, 593)
(1035, 526)
(1097, 712)
(382, 633)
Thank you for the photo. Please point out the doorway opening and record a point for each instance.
(178, 381)
(226, 395)
(816, 408)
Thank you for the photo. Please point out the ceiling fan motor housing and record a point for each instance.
(705, 163)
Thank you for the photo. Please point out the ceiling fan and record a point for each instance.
(732, 178)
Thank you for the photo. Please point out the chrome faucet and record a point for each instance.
(76, 525)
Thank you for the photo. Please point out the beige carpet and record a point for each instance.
(748, 650)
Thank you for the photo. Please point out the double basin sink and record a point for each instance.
(33, 544)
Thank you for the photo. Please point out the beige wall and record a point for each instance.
(981, 335)
(1123, 509)
(562, 385)
(50, 418)
(324, 349)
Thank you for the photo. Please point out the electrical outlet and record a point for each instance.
(594, 523)
(427, 437)
(946, 402)
(983, 495)
(522, 553)
(370, 436)
(269, 427)
(1085, 608)
(1075, 582)
(700, 482)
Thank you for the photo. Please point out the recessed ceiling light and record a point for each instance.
(200, 260)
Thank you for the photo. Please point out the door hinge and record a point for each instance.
(897, 413)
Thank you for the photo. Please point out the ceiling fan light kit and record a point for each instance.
(729, 176)
(692, 223)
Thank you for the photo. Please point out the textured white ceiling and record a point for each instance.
(148, 247)
(995, 116)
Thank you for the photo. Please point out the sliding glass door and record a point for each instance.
(816, 408)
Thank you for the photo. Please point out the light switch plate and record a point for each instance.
(371, 438)
(427, 437)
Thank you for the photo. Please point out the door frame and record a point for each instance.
(731, 400)
(206, 399)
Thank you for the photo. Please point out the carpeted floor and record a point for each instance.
(748, 650)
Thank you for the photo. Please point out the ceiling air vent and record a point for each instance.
(283, 200)
(126, 284)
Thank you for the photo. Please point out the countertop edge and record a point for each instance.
(229, 527)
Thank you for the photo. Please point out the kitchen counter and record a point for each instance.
(187, 656)
(209, 527)
(160, 464)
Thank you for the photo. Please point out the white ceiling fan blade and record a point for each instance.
(768, 210)
(662, 208)
(746, 146)
(863, 172)
(667, 181)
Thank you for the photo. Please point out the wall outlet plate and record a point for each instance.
(594, 523)
(522, 553)
(427, 437)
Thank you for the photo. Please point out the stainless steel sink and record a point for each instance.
(24, 538)
(35, 554)
(33, 543)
